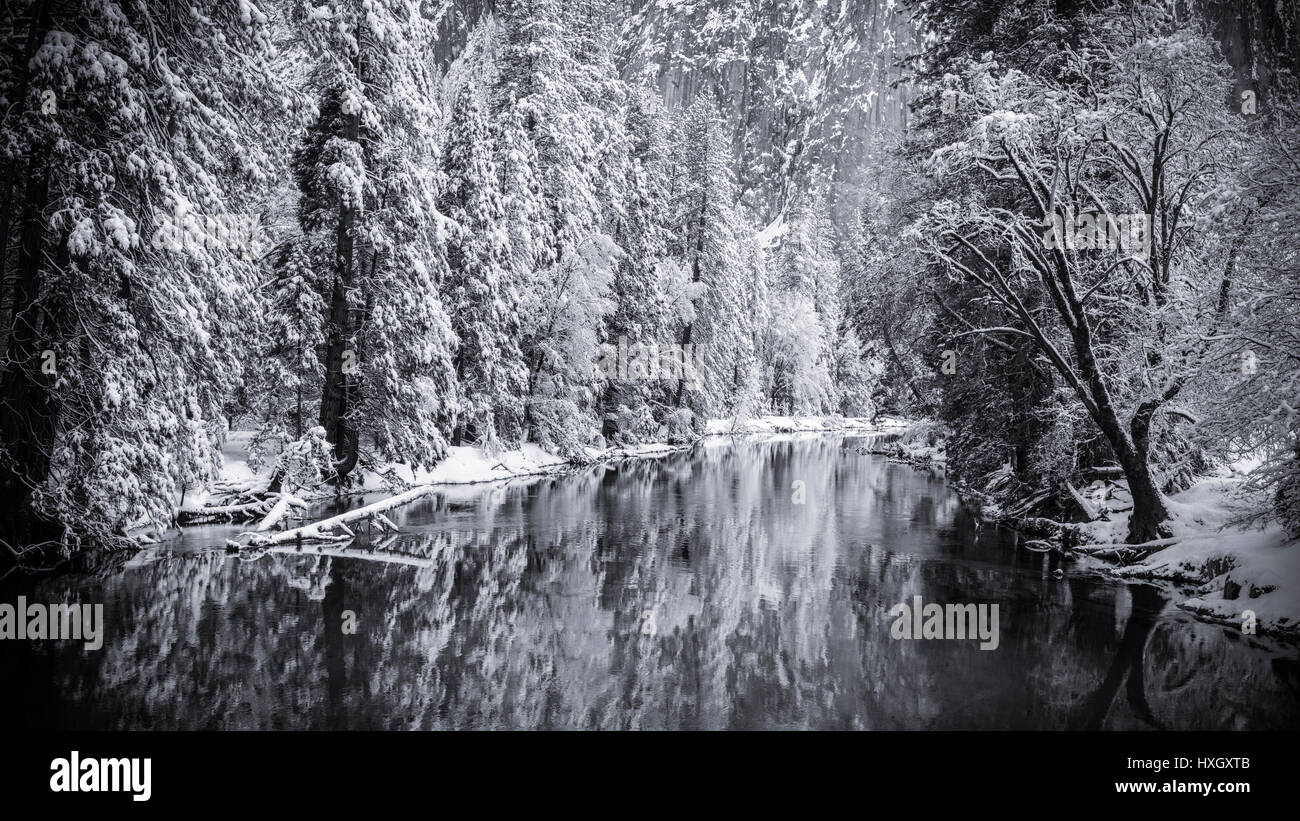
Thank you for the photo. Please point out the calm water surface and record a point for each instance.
(690, 591)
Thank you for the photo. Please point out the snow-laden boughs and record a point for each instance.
(480, 293)
(635, 406)
(283, 388)
(807, 285)
(1079, 221)
(1247, 401)
(128, 127)
(558, 96)
(547, 83)
(708, 241)
(562, 312)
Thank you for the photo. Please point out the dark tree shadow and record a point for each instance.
(1147, 604)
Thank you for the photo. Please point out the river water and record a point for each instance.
(746, 584)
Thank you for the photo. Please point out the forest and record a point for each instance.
(1057, 234)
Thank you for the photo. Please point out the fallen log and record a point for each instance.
(1092, 549)
(279, 510)
(242, 511)
(322, 530)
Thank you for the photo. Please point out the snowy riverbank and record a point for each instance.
(1220, 565)
(241, 492)
(473, 465)
(1225, 571)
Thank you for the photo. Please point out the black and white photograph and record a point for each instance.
(650, 365)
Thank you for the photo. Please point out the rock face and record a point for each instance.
(1258, 38)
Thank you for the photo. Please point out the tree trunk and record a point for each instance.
(1149, 518)
(1147, 522)
(334, 393)
(333, 403)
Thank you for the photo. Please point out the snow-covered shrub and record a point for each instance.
(295, 463)
(558, 426)
(633, 425)
(679, 426)
(925, 433)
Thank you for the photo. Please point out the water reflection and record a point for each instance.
(704, 590)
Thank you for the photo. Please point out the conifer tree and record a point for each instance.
(480, 294)
(368, 173)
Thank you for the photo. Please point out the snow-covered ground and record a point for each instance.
(920, 444)
(799, 424)
(1256, 566)
(1223, 567)
(463, 465)
(470, 465)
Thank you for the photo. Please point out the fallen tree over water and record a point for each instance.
(335, 528)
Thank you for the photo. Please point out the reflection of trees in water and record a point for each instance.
(1181, 657)
(1127, 666)
(197, 640)
(689, 591)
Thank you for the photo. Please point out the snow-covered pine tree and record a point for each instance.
(634, 402)
(531, 240)
(554, 91)
(369, 173)
(709, 233)
(855, 374)
(480, 293)
(807, 286)
(284, 389)
(541, 83)
(138, 141)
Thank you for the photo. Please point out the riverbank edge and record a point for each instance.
(469, 466)
(1199, 579)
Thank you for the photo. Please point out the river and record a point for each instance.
(746, 584)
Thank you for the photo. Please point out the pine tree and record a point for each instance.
(807, 286)
(554, 92)
(480, 293)
(368, 172)
(138, 144)
(709, 245)
(634, 402)
(285, 389)
(531, 240)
